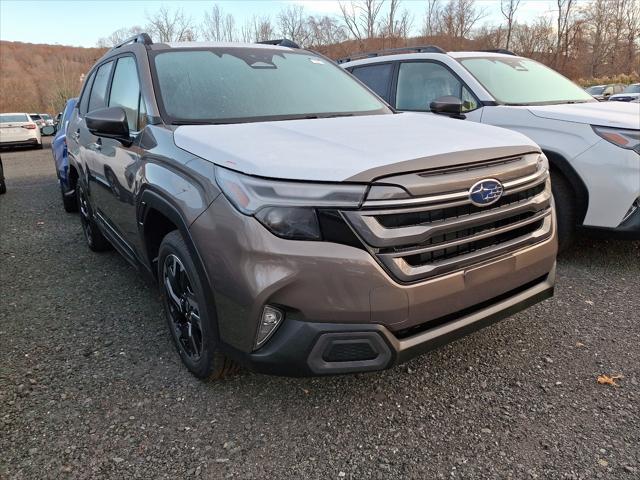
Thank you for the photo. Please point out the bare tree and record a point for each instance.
(257, 29)
(119, 36)
(217, 26)
(293, 24)
(396, 24)
(361, 17)
(562, 28)
(432, 20)
(325, 31)
(509, 8)
(167, 26)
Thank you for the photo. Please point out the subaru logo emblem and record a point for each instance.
(485, 192)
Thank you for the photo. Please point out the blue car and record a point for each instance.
(59, 149)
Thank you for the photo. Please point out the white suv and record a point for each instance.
(593, 147)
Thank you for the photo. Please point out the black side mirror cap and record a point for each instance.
(109, 122)
(448, 105)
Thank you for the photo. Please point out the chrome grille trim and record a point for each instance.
(528, 181)
(421, 237)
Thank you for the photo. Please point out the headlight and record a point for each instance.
(287, 208)
(627, 139)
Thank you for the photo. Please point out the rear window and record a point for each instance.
(21, 117)
(35, 116)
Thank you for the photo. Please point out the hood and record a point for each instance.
(608, 114)
(338, 149)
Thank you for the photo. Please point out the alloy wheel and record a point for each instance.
(183, 307)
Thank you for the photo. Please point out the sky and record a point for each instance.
(83, 22)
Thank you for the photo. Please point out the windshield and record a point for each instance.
(46, 117)
(231, 85)
(597, 90)
(520, 81)
(7, 118)
(635, 88)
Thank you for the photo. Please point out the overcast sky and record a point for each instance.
(82, 23)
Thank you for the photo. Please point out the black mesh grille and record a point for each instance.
(396, 220)
(349, 352)
(450, 252)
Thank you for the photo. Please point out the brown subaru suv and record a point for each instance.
(294, 222)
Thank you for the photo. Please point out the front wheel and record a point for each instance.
(566, 213)
(191, 323)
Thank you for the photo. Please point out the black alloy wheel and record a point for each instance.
(182, 307)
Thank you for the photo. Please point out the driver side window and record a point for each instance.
(420, 83)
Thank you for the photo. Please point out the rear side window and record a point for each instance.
(84, 100)
(376, 77)
(98, 98)
(13, 118)
(125, 90)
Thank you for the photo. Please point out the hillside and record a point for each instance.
(39, 78)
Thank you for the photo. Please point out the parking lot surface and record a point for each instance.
(91, 385)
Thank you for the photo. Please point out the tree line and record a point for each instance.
(591, 42)
(580, 39)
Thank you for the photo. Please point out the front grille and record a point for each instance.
(421, 237)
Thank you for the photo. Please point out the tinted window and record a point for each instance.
(99, 89)
(420, 83)
(633, 88)
(520, 81)
(125, 89)
(84, 101)
(35, 116)
(241, 84)
(13, 118)
(376, 77)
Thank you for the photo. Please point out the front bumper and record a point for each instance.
(331, 288)
(301, 348)
(627, 230)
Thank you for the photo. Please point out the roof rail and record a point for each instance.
(282, 42)
(504, 51)
(390, 51)
(143, 38)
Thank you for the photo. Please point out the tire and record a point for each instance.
(3, 185)
(69, 202)
(191, 322)
(92, 234)
(566, 212)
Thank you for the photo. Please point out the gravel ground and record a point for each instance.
(91, 387)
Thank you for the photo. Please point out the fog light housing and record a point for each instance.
(271, 318)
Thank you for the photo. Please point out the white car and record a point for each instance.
(17, 129)
(593, 147)
(629, 94)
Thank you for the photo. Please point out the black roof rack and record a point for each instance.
(504, 51)
(282, 42)
(390, 51)
(143, 38)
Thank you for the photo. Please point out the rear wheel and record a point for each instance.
(92, 234)
(191, 323)
(566, 212)
(69, 200)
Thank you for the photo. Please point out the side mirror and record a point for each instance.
(109, 122)
(448, 105)
(48, 130)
